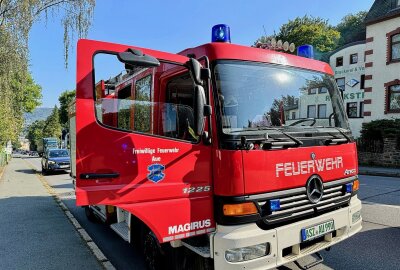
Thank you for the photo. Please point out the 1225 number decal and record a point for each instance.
(197, 189)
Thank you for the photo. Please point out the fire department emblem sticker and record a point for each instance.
(156, 172)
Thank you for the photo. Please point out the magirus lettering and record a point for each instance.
(189, 226)
(308, 166)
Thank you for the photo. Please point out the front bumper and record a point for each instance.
(56, 167)
(285, 240)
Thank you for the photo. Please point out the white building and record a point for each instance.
(382, 67)
(349, 68)
(369, 71)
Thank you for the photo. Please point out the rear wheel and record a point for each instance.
(90, 215)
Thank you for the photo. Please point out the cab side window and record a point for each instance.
(178, 110)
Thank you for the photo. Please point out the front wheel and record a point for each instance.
(44, 171)
(152, 252)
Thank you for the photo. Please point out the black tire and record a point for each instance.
(44, 171)
(152, 252)
(90, 215)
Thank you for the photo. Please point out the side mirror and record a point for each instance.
(195, 70)
(200, 99)
(133, 57)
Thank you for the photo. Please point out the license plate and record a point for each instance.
(64, 166)
(318, 230)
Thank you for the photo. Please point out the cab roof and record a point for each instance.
(228, 51)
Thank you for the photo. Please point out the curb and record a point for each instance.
(105, 263)
(377, 173)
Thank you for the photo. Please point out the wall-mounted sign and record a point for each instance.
(349, 70)
(355, 95)
(352, 82)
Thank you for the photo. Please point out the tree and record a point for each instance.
(65, 99)
(35, 133)
(52, 127)
(310, 30)
(352, 28)
(19, 16)
(19, 93)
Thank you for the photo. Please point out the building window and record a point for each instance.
(322, 90)
(322, 111)
(361, 114)
(351, 108)
(395, 47)
(339, 61)
(354, 58)
(394, 98)
(312, 91)
(362, 83)
(311, 111)
(341, 83)
(293, 115)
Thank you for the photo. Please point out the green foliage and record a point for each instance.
(52, 127)
(378, 129)
(352, 28)
(19, 93)
(65, 99)
(35, 133)
(310, 30)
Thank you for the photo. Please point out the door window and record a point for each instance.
(156, 100)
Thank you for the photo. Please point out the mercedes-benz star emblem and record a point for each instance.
(313, 156)
(315, 189)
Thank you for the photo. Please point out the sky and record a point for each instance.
(168, 25)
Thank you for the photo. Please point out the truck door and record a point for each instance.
(135, 145)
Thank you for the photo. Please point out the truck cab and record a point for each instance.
(242, 156)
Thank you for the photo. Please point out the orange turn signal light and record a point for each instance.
(356, 185)
(240, 209)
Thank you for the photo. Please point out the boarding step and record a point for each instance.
(203, 251)
(121, 229)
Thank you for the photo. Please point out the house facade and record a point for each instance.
(349, 68)
(382, 61)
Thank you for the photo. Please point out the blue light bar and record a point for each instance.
(274, 205)
(221, 33)
(306, 51)
(349, 187)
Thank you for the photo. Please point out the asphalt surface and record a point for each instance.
(377, 246)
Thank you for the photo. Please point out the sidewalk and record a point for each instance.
(379, 171)
(34, 231)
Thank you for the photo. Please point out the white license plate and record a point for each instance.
(64, 166)
(318, 230)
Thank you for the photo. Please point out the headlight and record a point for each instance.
(51, 162)
(247, 253)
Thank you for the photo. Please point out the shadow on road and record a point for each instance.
(27, 171)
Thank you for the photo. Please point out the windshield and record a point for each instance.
(255, 96)
(58, 153)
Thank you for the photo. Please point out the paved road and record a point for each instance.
(34, 232)
(377, 246)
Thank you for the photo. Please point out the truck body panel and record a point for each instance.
(291, 175)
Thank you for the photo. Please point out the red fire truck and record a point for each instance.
(220, 156)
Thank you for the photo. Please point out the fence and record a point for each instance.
(4, 158)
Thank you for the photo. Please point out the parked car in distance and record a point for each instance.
(55, 160)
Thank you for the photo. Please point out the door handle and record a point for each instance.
(88, 176)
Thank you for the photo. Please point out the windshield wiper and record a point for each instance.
(346, 138)
(270, 144)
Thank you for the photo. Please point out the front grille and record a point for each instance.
(294, 203)
(63, 163)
